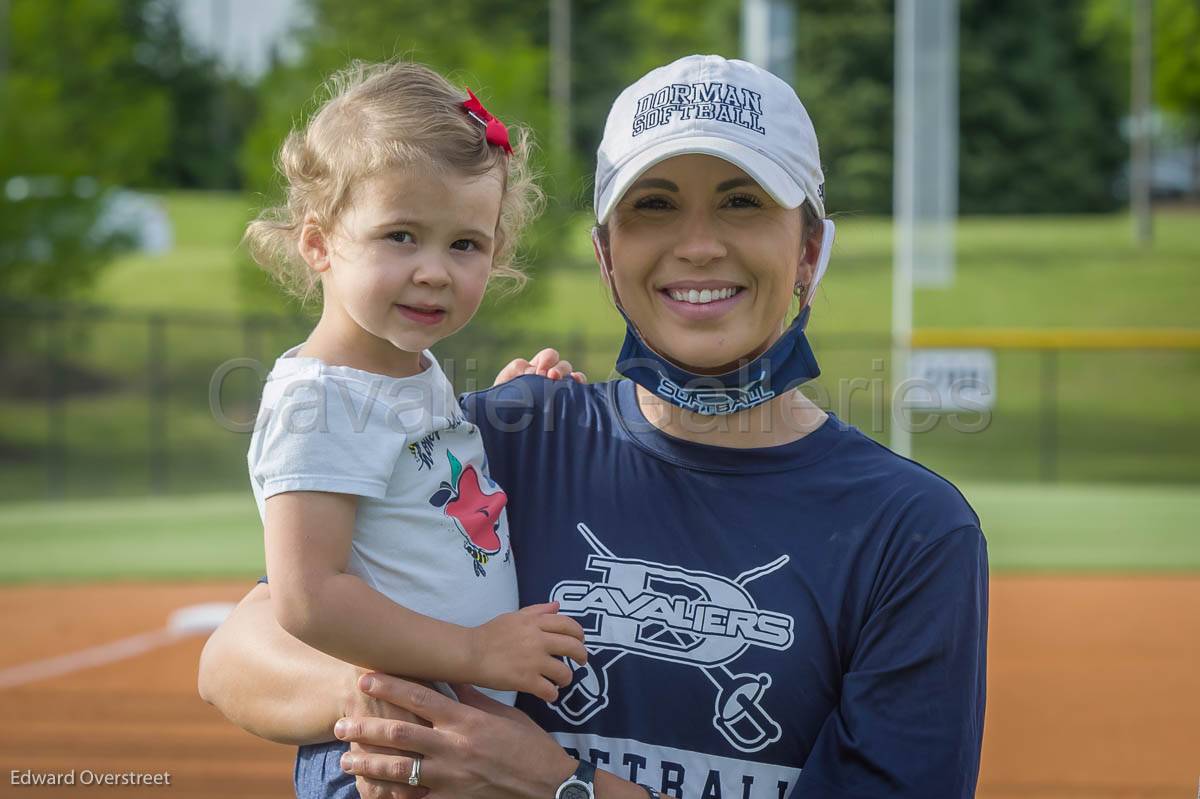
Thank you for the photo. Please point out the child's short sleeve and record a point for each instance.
(326, 433)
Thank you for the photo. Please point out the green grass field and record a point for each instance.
(1082, 271)
(199, 273)
(1128, 439)
(1077, 528)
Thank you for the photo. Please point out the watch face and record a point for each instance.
(574, 790)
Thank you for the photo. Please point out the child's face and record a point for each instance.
(410, 257)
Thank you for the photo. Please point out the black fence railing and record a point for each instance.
(101, 402)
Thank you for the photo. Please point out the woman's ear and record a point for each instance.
(810, 251)
(314, 246)
(814, 259)
(603, 259)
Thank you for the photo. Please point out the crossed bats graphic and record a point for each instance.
(738, 713)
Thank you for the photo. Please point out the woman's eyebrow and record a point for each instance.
(654, 183)
(734, 183)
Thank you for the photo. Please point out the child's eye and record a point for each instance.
(466, 245)
(401, 237)
(743, 201)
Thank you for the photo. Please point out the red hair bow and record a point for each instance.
(495, 131)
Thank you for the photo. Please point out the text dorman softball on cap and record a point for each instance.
(707, 104)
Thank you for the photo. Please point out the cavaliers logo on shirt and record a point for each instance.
(691, 618)
(476, 514)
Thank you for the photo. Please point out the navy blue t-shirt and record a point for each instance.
(807, 620)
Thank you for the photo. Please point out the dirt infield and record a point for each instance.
(1094, 691)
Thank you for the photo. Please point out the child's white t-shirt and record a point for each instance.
(431, 532)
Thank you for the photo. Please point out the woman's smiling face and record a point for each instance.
(704, 262)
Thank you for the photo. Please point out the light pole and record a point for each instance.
(925, 169)
(1141, 99)
(560, 83)
(768, 36)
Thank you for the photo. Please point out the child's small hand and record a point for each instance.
(546, 363)
(520, 651)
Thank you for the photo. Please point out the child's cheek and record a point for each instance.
(471, 293)
(384, 278)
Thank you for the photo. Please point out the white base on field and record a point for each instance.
(185, 622)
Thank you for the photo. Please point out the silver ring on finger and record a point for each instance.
(414, 779)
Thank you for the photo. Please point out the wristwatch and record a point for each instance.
(580, 784)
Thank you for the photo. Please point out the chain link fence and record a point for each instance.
(100, 402)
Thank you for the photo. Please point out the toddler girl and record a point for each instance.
(404, 198)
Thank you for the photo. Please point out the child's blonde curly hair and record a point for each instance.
(375, 117)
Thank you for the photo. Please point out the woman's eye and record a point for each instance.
(651, 203)
(466, 245)
(744, 201)
(401, 237)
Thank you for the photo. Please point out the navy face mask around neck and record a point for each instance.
(786, 364)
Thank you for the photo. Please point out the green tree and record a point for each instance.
(79, 109)
(210, 109)
(1176, 35)
(87, 104)
(1177, 55)
(1040, 111)
(1176, 26)
(844, 65)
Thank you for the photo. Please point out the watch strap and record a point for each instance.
(586, 772)
(582, 779)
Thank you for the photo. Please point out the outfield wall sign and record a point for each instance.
(945, 380)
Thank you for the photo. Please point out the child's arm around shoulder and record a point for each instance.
(308, 537)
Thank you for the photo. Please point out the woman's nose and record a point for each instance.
(698, 241)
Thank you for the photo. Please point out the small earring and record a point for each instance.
(800, 289)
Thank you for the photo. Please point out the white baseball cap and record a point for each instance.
(706, 104)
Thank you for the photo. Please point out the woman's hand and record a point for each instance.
(546, 363)
(476, 747)
(358, 704)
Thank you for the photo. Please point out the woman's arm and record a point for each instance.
(277, 687)
(909, 721)
(271, 684)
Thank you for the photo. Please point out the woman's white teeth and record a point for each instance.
(701, 297)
